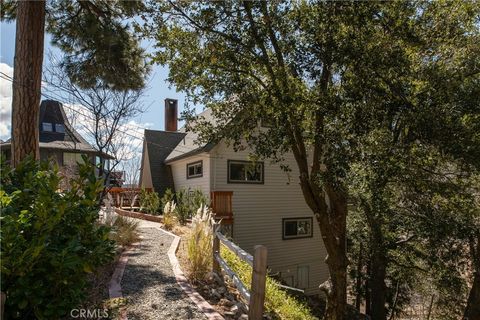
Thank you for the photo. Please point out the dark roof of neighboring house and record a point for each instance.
(52, 112)
(159, 145)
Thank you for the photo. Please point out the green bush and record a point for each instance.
(149, 201)
(50, 240)
(188, 202)
(183, 211)
(278, 303)
(167, 197)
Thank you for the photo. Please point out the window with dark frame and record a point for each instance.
(195, 169)
(245, 172)
(297, 228)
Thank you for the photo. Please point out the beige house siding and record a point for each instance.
(258, 213)
(146, 178)
(179, 172)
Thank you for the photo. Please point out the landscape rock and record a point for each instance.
(234, 309)
(226, 302)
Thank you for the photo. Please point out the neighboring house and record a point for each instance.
(58, 140)
(267, 203)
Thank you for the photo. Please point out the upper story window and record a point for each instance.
(295, 228)
(245, 171)
(194, 169)
(59, 128)
(47, 126)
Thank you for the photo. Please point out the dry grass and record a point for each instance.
(199, 246)
(125, 231)
(169, 218)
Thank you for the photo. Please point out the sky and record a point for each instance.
(158, 89)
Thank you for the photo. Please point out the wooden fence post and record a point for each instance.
(259, 275)
(215, 249)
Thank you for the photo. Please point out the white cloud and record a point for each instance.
(5, 101)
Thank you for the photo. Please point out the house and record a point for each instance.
(265, 203)
(58, 140)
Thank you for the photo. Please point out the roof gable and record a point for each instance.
(159, 145)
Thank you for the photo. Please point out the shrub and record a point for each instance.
(197, 199)
(188, 201)
(168, 196)
(124, 231)
(183, 206)
(169, 218)
(50, 240)
(278, 303)
(199, 245)
(149, 201)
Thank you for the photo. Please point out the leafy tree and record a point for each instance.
(325, 75)
(405, 146)
(99, 46)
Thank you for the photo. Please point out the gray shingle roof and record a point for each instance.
(160, 144)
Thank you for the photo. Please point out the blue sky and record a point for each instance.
(154, 97)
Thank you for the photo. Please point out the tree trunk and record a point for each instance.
(334, 238)
(335, 288)
(27, 78)
(368, 291)
(472, 311)
(358, 282)
(378, 288)
(378, 266)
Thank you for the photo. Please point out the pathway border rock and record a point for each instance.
(114, 287)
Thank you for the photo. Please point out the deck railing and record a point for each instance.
(258, 262)
(126, 197)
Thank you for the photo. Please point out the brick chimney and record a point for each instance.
(171, 114)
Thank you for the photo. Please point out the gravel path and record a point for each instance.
(149, 284)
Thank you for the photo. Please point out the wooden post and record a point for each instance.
(259, 277)
(215, 249)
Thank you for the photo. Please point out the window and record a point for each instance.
(72, 158)
(47, 126)
(194, 169)
(59, 128)
(245, 172)
(295, 228)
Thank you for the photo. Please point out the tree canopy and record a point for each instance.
(341, 85)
